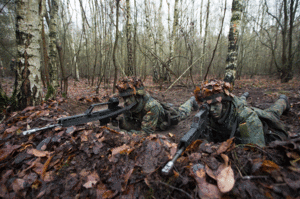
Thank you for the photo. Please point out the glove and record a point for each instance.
(246, 95)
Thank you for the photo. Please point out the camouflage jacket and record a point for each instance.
(146, 121)
(246, 123)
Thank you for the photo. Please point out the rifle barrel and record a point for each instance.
(30, 131)
(169, 166)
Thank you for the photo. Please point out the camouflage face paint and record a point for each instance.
(129, 100)
(216, 110)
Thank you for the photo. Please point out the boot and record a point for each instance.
(195, 105)
(288, 106)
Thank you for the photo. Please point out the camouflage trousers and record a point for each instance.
(186, 108)
(272, 115)
(251, 122)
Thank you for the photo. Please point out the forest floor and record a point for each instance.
(89, 161)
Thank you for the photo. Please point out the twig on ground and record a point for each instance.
(253, 177)
(173, 188)
(2, 119)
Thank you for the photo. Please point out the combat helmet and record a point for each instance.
(213, 91)
(128, 86)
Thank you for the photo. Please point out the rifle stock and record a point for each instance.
(198, 129)
(104, 116)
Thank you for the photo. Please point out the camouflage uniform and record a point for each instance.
(146, 120)
(247, 124)
(150, 115)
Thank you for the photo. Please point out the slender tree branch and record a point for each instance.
(4, 6)
(80, 1)
(212, 58)
(267, 10)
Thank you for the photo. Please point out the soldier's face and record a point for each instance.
(129, 100)
(216, 110)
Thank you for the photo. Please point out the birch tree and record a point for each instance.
(115, 45)
(28, 86)
(174, 29)
(129, 68)
(231, 60)
(53, 72)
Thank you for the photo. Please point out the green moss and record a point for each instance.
(64, 95)
(50, 92)
(237, 6)
(235, 17)
(269, 92)
(149, 193)
(284, 92)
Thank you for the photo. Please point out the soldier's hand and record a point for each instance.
(246, 95)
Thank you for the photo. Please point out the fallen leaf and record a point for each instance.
(46, 166)
(226, 159)
(269, 166)
(224, 146)
(9, 149)
(205, 189)
(92, 180)
(3, 190)
(210, 172)
(171, 135)
(225, 179)
(18, 185)
(38, 153)
(176, 174)
(28, 108)
(11, 129)
(118, 150)
(194, 157)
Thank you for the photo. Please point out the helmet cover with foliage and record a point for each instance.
(213, 91)
(128, 86)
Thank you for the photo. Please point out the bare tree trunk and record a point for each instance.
(53, 72)
(44, 44)
(287, 40)
(213, 55)
(64, 89)
(205, 36)
(115, 45)
(174, 30)
(72, 45)
(231, 60)
(150, 38)
(135, 40)
(87, 54)
(129, 68)
(28, 84)
(95, 16)
(201, 69)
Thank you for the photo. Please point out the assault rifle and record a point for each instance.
(104, 116)
(198, 129)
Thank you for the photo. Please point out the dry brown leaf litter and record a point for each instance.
(92, 162)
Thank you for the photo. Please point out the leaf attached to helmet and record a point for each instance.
(213, 91)
(130, 86)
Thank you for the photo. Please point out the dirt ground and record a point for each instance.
(263, 91)
(89, 161)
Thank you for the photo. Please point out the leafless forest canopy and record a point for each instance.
(162, 38)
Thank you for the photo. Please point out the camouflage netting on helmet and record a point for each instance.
(213, 91)
(130, 86)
